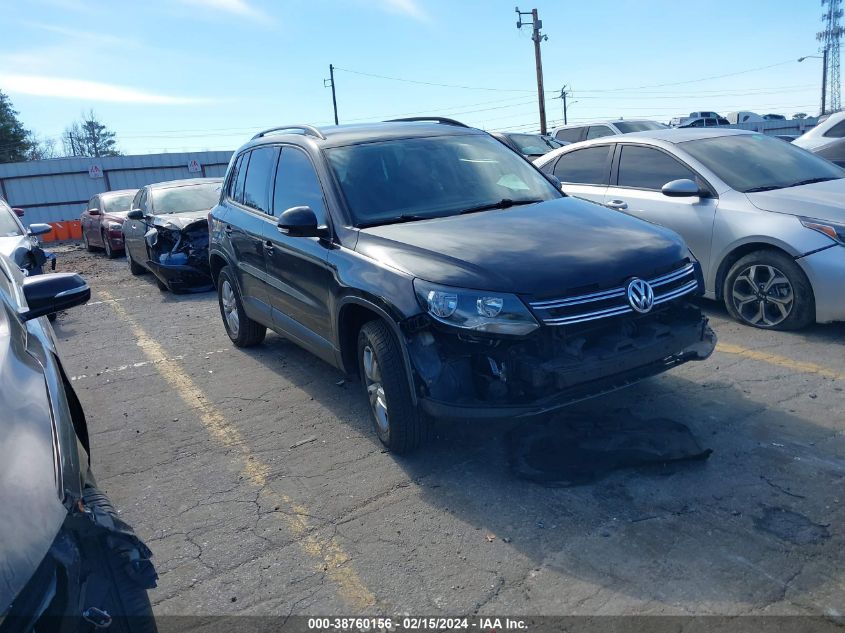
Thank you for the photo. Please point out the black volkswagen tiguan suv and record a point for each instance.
(446, 272)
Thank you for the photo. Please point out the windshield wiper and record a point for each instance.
(764, 188)
(399, 219)
(504, 203)
(810, 181)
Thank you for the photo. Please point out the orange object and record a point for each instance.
(62, 230)
(75, 229)
(48, 237)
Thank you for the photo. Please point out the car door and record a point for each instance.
(298, 272)
(247, 219)
(584, 173)
(91, 223)
(637, 179)
(133, 230)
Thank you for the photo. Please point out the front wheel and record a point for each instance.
(399, 424)
(107, 246)
(768, 290)
(243, 331)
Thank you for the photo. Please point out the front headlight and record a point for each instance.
(476, 310)
(834, 231)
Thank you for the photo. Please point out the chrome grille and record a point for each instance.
(613, 302)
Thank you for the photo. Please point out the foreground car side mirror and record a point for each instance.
(683, 188)
(46, 294)
(18, 211)
(93, 212)
(300, 222)
(135, 214)
(39, 229)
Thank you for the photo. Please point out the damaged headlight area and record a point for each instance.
(475, 310)
(178, 255)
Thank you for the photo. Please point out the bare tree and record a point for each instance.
(799, 115)
(89, 137)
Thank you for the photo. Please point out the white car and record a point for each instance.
(765, 219)
(575, 132)
(829, 128)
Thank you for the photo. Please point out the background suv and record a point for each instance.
(447, 272)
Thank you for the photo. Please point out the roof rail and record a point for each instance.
(309, 130)
(436, 119)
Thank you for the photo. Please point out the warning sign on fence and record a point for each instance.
(95, 171)
(194, 166)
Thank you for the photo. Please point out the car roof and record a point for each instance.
(355, 133)
(116, 192)
(183, 182)
(680, 135)
(601, 122)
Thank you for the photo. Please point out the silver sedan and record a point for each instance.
(765, 218)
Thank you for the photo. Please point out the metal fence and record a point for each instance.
(58, 189)
(784, 126)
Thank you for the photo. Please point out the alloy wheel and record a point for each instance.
(230, 307)
(375, 389)
(762, 295)
(107, 247)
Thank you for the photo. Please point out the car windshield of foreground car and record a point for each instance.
(8, 224)
(638, 126)
(754, 162)
(119, 203)
(534, 144)
(186, 198)
(420, 178)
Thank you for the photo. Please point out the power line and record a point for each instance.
(428, 83)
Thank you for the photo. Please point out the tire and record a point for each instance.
(107, 247)
(52, 316)
(399, 424)
(87, 244)
(134, 269)
(243, 331)
(766, 289)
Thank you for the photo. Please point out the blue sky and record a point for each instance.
(173, 75)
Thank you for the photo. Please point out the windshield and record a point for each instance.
(534, 144)
(200, 197)
(432, 177)
(754, 162)
(9, 226)
(638, 126)
(119, 203)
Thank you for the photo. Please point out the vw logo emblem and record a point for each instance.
(640, 295)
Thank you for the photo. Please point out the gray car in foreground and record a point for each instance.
(765, 219)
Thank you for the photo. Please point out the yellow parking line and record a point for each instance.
(332, 559)
(780, 361)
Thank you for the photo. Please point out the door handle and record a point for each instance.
(617, 204)
(268, 246)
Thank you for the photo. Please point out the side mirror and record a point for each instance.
(135, 214)
(683, 188)
(18, 211)
(299, 222)
(93, 212)
(46, 294)
(39, 229)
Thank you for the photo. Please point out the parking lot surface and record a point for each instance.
(255, 478)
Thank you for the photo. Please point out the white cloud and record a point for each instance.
(236, 7)
(409, 8)
(90, 91)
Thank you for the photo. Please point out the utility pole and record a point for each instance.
(829, 38)
(824, 79)
(537, 24)
(563, 95)
(330, 82)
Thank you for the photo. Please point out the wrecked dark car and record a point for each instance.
(446, 272)
(67, 561)
(166, 233)
(21, 245)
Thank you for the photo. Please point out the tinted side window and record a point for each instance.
(597, 131)
(238, 192)
(233, 176)
(142, 200)
(570, 134)
(589, 166)
(647, 168)
(257, 184)
(837, 131)
(92, 203)
(297, 185)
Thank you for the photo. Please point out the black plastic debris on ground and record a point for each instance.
(577, 448)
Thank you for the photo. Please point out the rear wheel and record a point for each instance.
(399, 424)
(135, 269)
(768, 290)
(243, 331)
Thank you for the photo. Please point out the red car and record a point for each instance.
(103, 219)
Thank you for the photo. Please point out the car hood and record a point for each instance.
(542, 250)
(8, 245)
(820, 200)
(178, 220)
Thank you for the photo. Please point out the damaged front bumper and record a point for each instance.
(460, 376)
(178, 256)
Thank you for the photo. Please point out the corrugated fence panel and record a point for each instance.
(58, 189)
